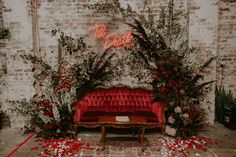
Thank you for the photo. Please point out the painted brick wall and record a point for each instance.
(203, 27)
(227, 45)
(70, 17)
(73, 19)
(18, 80)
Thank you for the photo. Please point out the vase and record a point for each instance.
(170, 131)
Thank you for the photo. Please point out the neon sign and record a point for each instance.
(111, 39)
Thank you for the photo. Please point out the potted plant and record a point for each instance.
(225, 107)
(230, 111)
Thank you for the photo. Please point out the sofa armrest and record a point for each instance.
(80, 108)
(159, 110)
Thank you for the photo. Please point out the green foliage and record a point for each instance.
(223, 97)
(71, 44)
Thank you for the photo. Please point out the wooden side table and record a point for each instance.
(134, 122)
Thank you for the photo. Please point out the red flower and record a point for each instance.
(55, 134)
(177, 74)
(48, 113)
(165, 61)
(47, 152)
(169, 73)
(166, 90)
(57, 124)
(162, 88)
(170, 84)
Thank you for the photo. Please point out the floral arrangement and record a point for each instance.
(176, 81)
(50, 111)
(186, 119)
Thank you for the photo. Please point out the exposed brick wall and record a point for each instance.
(203, 27)
(227, 45)
(18, 78)
(70, 17)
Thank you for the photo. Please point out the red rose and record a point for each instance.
(177, 74)
(166, 90)
(162, 88)
(50, 114)
(57, 124)
(45, 113)
(55, 134)
(169, 73)
(170, 84)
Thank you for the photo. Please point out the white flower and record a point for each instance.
(177, 109)
(186, 115)
(58, 130)
(171, 120)
(182, 92)
(45, 119)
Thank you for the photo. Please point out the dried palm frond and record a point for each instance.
(97, 71)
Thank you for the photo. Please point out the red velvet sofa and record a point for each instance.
(118, 101)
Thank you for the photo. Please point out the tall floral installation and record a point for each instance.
(50, 111)
(175, 80)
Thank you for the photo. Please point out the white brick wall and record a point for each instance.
(70, 17)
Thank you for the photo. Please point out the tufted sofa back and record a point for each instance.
(118, 99)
